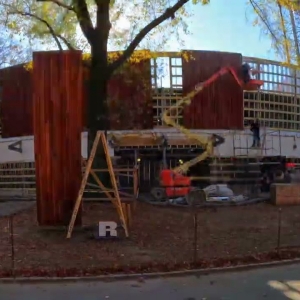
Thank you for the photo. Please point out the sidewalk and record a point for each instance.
(279, 283)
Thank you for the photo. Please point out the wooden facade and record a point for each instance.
(16, 102)
(129, 97)
(219, 105)
(57, 124)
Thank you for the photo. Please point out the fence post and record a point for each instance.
(12, 243)
(279, 230)
(195, 237)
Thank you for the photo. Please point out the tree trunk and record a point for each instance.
(98, 110)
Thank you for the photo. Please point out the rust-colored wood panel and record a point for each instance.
(85, 97)
(16, 104)
(57, 123)
(129, 96)
(130, 100)
(219, 105)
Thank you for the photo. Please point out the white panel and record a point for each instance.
(7, 155)
(237, 143)
(27, 155)
(84, 144)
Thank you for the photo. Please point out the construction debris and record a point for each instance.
(212, 195)
(220, 193)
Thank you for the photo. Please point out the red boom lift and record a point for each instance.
(173, 182)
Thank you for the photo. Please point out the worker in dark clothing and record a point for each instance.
(246, 70)
(256, 135)
(267, 179)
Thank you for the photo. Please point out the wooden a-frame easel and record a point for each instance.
(116, 201)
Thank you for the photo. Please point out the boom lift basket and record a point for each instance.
(253, 85)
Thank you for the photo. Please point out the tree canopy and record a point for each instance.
(67, 24)
(10, 52)
(280, 20)
(96, 26)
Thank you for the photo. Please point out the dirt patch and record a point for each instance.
(159, 235)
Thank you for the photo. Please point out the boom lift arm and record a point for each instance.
(208, 143)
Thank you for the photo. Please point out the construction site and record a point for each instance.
(180, 137)
(167, 131)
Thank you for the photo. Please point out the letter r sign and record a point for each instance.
(108, 229)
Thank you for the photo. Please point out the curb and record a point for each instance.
(144, 276)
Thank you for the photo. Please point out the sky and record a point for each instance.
(223, 26)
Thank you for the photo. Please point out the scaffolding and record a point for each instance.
(277, 105)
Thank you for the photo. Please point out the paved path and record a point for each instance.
(10, 207)
(272, 283)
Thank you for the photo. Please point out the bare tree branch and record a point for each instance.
(11, 52)
(66, 42)
(52, 32)
(68, 7)
(62, 38)
(263, 19)
(169, 13)
(283, 27)
(294, 29)
(48, 26)
(84, 18)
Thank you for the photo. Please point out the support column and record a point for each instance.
(57, 124)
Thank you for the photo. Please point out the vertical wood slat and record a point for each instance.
(57, 122)
(219, 105)
(129, 97)
(16, 102)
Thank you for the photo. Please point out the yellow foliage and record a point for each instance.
(29, 66)
(203, 2)
(290, 4)
(187, 55)
(138, 55)
(279, 22)
(135, 58)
